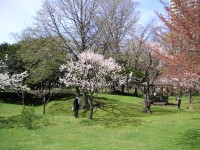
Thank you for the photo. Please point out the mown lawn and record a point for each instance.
(119, 125)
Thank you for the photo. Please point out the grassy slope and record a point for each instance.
(119, 125)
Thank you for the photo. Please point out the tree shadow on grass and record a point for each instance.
(112, 113)
(117, 108)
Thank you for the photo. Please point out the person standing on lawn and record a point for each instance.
(179, 102)
(76, 106)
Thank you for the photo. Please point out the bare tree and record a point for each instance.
(73, 21)
(120, 18)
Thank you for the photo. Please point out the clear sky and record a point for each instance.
(15, 15)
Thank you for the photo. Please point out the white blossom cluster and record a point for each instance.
(4, 81)
(14, 82)
(90, 71)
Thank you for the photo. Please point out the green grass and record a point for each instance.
(120, 124)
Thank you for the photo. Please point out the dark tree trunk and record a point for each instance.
(85, 103)
(91, 112)
(190, 95)
(113, 87)
(127, 90)
(147, 100)
(23, 96)
(122, 88)
(136, 91)
(147, 105)
(77, 90)
(91, 109)
(44, 105)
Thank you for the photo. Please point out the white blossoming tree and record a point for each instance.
(17, 84)
(4, 81)
(91, 72)
(189, 81)
(14, 82)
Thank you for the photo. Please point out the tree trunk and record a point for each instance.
(127, 90)
(114, 89)
(190, 95)
(85, 103)
(91, 112)
(147, 100)
(136, 92)
(44, 105)
(122, 88)
(23, 95)
(78, 90)
(91, 109)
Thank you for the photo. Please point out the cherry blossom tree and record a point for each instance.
(91, 72)
(180, 43)
(191, 81)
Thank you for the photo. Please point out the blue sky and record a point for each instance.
(15, 15)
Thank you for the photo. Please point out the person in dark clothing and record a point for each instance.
(76, 106)
(179, 102)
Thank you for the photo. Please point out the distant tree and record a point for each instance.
(90, 72)
(8, 56)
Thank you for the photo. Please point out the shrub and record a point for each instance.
(27, 116)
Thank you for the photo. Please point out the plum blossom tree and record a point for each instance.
(14, 82)
(91, 72)
(17, 84)
(4, 81)
(4, 77)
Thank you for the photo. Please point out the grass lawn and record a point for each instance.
(119, 125)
